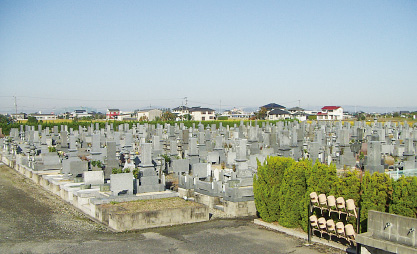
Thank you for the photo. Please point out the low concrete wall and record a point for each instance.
(232, 209)
(240, 209)
(151, 219)
(185, 192)
(209, 201)
(389, 233)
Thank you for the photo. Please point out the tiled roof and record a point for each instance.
(272, 106)
(194, 109)
(330, 107)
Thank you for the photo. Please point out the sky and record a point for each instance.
(218, 54)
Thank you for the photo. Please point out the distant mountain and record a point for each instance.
(372, 109)
(71, 109)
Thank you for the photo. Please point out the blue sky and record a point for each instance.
(136, 54)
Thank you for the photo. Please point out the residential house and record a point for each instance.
(181, 112)
(112, 114)
(148, 114)
(202, 114)
(79, 113)
(278, 114)
(270, 107)
(330, 113)
(235, 114)
(44, 117)
(126, 116)
(298, 113)
(19, 117)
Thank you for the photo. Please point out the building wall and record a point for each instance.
(336, 114)
(202, 116)
(45, 117)
(151, 115)
(112, 114)
(278, 117)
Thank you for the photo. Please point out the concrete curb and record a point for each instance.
(302, 235)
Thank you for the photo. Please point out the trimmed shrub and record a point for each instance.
(404, 197)
(376, 195)
(292, 193)
(320, 178)
(266, 186)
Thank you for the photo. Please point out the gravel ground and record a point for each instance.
(33, 220)
(43, 214)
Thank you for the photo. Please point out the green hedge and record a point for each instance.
(282, 190)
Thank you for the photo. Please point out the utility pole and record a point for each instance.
(186, 101)
(15, 105)
(299, 103)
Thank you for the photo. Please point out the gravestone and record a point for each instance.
(181, 166)
(121, 184)
(373, 160)
(199, 170)
(93, 177)
(111, 160)
(149, 180)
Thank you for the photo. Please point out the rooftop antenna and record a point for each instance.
(299, 103)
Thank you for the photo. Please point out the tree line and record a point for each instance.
(6, 123)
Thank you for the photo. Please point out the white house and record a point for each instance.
(126, 116)
(112, 113)
(202, 114)
(279, 114)
(236, 114)
(19, 117)
(44, 117)
(148, 114)
(181, 112)
(330, 113)
(298, 113)
(79, 113)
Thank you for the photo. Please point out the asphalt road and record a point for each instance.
(32, 220)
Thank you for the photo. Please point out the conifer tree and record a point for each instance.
(404, 197)
(266, 186)
(320, 178)
(293, 189)
(376, 195)
(349, 186)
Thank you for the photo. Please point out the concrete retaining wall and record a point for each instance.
(232, 209)
(152, 219)
(240, 209)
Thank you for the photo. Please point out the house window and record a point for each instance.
(203, 118)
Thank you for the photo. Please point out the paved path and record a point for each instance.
(34, 221)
